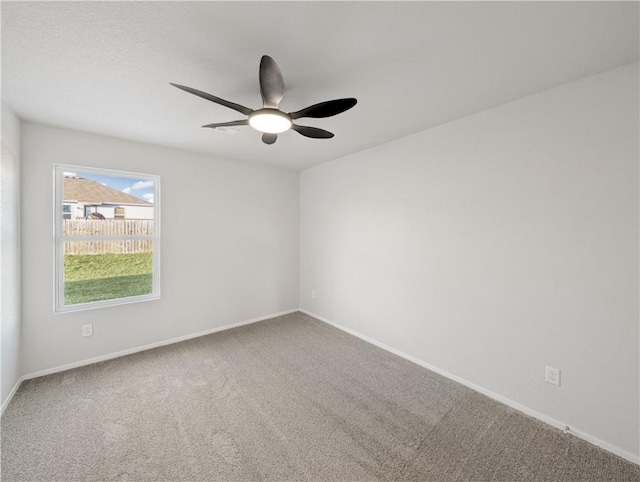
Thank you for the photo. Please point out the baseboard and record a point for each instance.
(500, 398)
(13, 391)
(150, 346)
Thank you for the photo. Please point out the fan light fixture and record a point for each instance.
(271, 121)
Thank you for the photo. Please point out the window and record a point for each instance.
(101, 258)
(88, 210)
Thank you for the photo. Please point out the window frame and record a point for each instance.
(59, 239)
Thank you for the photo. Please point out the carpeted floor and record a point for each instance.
(286, 399)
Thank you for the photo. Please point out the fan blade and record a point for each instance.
(325, 109)
(229, 124)
(312, 132)
(231, 105)
(271, 83)
(269, 138)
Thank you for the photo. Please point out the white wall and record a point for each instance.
(493, 245)
(130, 212)
(140, 212)
(9, 253)
(234, 259)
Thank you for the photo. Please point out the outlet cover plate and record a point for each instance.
(552, 375)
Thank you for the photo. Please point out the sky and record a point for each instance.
(140, 188)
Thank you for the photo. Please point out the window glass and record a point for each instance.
(108, 237)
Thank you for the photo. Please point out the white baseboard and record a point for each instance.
(11, 394)
(502, 399)
(130, 351)
(150, 346)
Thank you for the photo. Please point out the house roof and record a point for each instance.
(87, 191)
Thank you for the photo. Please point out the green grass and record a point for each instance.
(106, 276)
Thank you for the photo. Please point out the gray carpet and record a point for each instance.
(286, 399)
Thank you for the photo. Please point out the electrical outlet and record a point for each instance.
(87, 330)
(313, 294)
(552, 375)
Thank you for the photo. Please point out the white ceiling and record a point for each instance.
(105, 67)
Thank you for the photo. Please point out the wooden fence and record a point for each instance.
(108, 227)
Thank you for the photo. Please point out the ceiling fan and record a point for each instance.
(270, 120)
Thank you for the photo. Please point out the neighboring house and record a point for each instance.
(82, 197)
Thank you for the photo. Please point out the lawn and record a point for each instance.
(106, 276)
